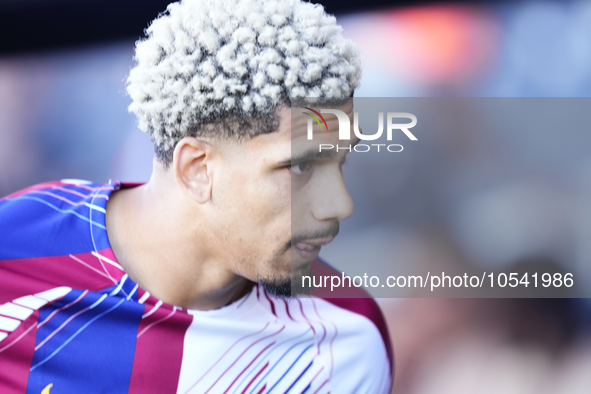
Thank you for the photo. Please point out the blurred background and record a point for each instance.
(63, 114)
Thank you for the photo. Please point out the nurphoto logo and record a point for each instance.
(345, 129)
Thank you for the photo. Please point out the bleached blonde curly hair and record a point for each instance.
(225, 66)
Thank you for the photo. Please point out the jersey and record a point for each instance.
(72, 321)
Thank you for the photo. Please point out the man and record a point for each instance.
(181, 284)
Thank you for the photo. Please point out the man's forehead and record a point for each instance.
(291, 135)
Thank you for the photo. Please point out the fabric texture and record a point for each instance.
(72, 321)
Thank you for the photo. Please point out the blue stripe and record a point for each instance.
(31, 230)
(270, 351)
(75, 335)
(278, 361)
(95, 350)
(244, 300)
(121, 282)
(132, 293)
(299, 377)
(25, 197)
(289, 369)
(307, 388)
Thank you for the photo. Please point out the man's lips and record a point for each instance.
(310, 249)
(306, 246)
(314, 243)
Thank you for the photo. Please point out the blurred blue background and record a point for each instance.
(63, 115)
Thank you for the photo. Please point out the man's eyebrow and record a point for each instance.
(309, 155)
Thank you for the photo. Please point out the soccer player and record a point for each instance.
(183, 284)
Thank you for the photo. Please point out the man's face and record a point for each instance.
(275, 201)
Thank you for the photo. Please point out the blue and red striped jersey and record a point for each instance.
(72, 321)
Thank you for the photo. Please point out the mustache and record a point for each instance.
(331, 231)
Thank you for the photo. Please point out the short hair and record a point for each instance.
(222, 67)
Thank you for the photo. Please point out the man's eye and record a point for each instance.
(301, 168)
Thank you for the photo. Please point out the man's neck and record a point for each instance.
(159, 241)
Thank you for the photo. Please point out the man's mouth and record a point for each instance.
(309, 250)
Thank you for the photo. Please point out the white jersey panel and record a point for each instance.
(262, 344)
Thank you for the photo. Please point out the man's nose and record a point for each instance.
(332, 201)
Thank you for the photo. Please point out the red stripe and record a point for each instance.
(94, 189)
(16, 356)
(324, 336)
(159, 353)
(58, 197)
(272, 304)
(84, 196)
(33, 275)
(263, 389)
(287, 309)
(102, 273)
(248, 366)
(242, 354)
(255, 377)
(226, 352)
(174, 309)
(306, 317)
(115, 272)
(40, 186)
(312, 326)
(321, 386)
(317, 373)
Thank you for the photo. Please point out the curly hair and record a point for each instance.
(222, 67)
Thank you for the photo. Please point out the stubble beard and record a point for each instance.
(288, 287)
(292, 286)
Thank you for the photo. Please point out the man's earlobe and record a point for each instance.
(191, 168)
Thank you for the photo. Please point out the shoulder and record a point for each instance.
(354, 299)
(54, 235)
(364, 335)
(52, 218)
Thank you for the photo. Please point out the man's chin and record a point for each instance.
(300, 264)
(282, 289)
(289, 287)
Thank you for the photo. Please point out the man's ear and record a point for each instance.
(191, 166)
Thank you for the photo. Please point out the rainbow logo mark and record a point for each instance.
(316, 119)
